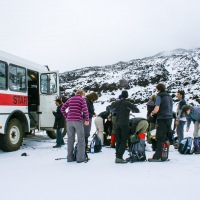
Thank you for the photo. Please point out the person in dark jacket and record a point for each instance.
(150, 108)
(107, 131)
(90, 99)
(123, 108)
(58, 124)
(163, 109)
(151, 105)
(113, 119)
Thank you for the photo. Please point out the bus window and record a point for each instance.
(48, 83)
(3, 76)
(17, 78)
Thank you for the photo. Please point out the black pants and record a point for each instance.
(164, 127)
(86, 143)
(122, 133)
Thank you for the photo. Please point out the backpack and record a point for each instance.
(136, 150)
(96, 144)
(133, 122)
(186, 146)
(75, 152)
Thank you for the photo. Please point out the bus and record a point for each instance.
(27, 97)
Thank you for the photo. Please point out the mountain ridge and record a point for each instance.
(177, 69)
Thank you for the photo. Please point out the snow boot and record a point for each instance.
(120, 160)
(176, 146)
(196, 145)
(198, 152)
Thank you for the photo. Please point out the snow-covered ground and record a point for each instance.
(39, 176)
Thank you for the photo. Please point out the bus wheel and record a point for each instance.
(52, 134)
(13, 138)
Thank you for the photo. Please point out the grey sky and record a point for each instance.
(69, 34)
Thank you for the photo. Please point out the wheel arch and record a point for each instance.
(18, 114)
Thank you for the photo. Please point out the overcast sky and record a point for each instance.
(70, 34)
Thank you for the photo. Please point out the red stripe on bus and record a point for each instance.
(13, 100)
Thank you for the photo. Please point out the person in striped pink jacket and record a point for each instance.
(76, 107)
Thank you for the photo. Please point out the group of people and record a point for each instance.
(78, 111)
(184, 115)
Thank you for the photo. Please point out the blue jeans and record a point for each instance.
(59, 137)
(180, 130)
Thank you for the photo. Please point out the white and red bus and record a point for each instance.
(27, 94)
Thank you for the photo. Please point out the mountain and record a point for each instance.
(177, 69)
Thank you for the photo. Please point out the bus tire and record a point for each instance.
(52, 134)
(13, 138)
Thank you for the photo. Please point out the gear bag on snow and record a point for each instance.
(75, 153)
(95, 144)
(186, 146)
(136, 149)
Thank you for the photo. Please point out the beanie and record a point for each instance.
(124, 94)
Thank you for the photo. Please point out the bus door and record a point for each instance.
(33, 98)
(49, 91)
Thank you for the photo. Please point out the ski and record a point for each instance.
(60, 158)
(109, 147)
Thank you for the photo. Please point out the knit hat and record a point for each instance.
(124, 94)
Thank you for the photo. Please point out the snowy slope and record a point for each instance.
(178, 69)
